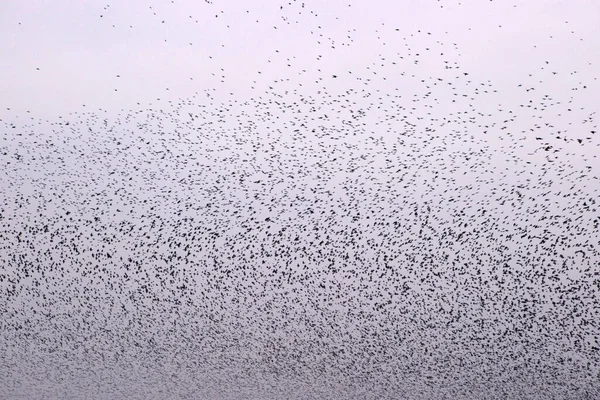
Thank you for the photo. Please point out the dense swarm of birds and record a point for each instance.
(397, 228)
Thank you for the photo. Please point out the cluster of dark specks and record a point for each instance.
(347, 242)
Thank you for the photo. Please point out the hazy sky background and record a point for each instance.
(299, 199)
(80, 53)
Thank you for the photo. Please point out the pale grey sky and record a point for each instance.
(79, 53)
(299, 199)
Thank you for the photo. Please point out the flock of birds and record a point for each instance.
(399, 229)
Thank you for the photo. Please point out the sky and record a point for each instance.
(80, 48)
(299, 199)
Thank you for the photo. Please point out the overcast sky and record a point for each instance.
(80, 47)
(299, 199)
